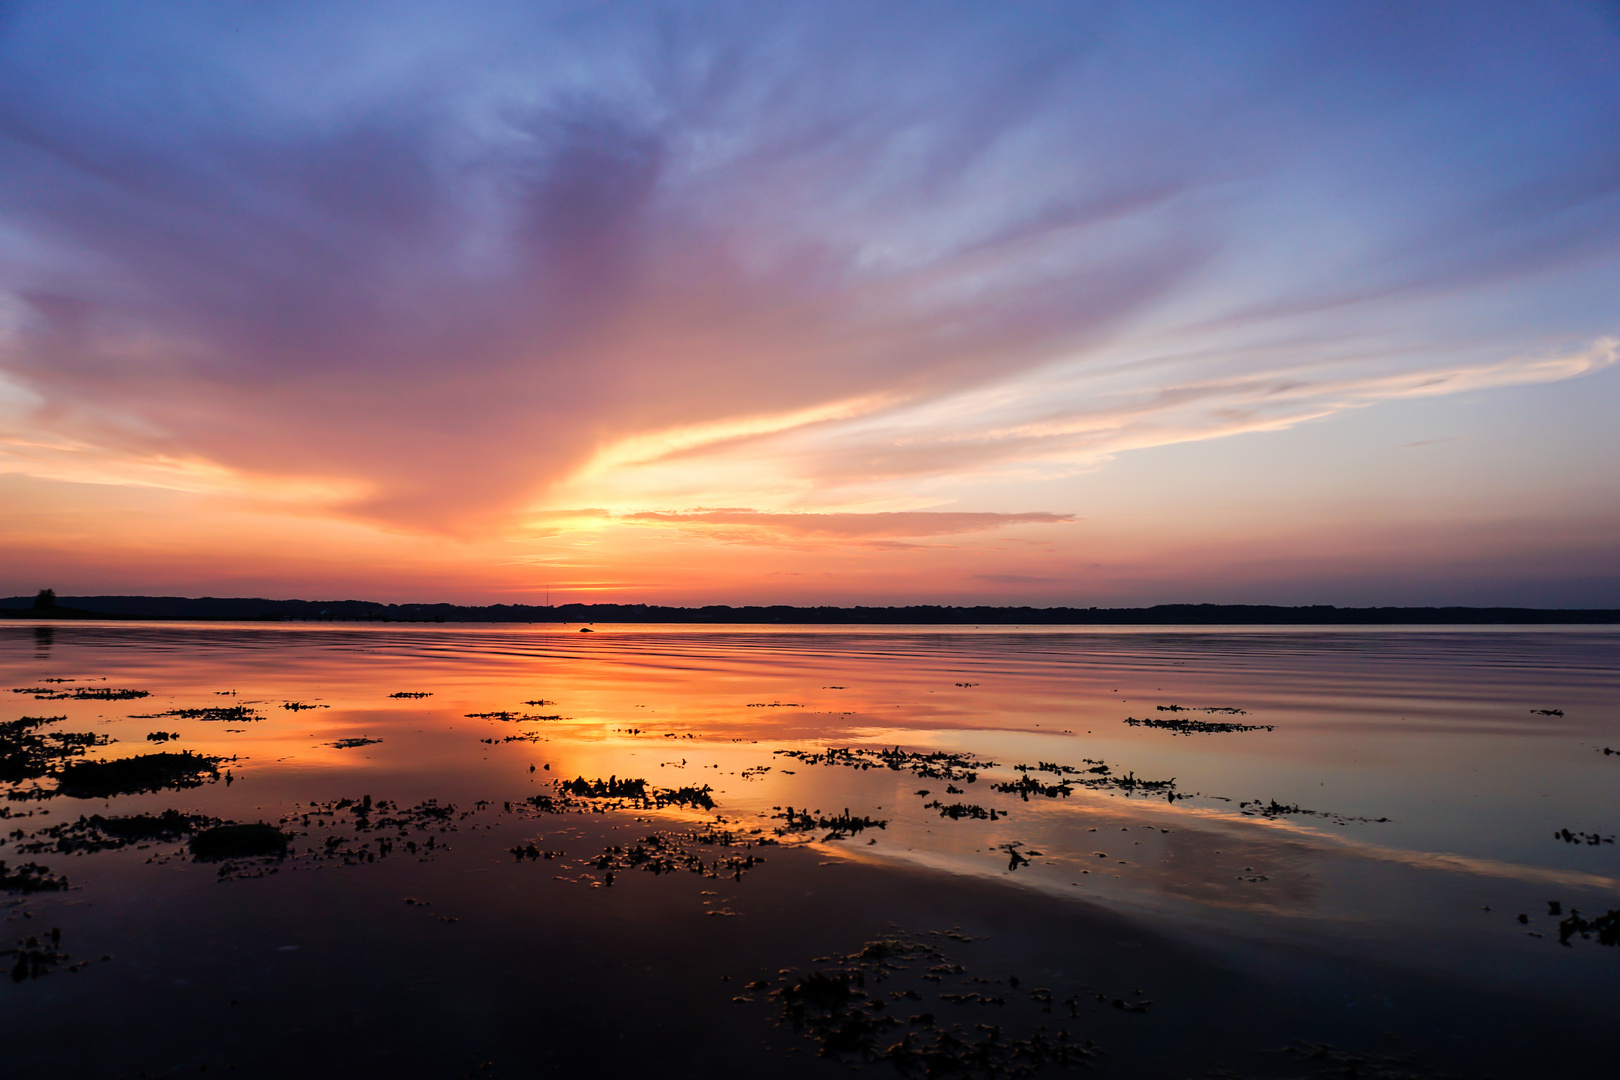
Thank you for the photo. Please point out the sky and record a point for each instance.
(822, 303)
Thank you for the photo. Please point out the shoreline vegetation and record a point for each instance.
(186, 609)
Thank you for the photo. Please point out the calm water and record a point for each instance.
(1362, 854)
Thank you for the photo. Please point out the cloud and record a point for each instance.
(847, 526)
(441, 270)
(1019, 579)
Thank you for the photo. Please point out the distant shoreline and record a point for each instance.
(240, 609)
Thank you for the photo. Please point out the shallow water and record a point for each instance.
(1369, 845)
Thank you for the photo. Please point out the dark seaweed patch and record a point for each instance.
(148, 772)
(611, 788)
(161, 736)
(82, 693)
(350, 744)
(842, 1009)
(362, 830)
(1179, 726)
(1025, 786)
(250, 841)
(35, 958)
(411, 694)
(669, 853)
(932, 765)
(637, 792)
(1605, 926)
(96, 833)
(27, 753)
(1592, 839)
(510, 717)
(229, 714)
(958, 811)
(838, 826)
(30, 878)
(1212, 709)
(686, 796)
(1097, 775)
(1275, 809)
(1329, 1061)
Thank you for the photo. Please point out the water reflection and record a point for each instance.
(1348, 793)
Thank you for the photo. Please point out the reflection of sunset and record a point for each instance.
(710, 708)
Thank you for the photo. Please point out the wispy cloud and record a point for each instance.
(878, 526)
(450, 271)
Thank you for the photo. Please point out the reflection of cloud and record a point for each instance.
(880, 526)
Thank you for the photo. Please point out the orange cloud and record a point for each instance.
(850, 526)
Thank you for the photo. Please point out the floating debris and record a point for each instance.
(1546, 712)
(350, 744)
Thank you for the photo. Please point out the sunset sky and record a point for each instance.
(1029, 303)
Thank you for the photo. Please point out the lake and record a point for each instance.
(513, 850)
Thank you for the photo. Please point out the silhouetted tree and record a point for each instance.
(45, 599)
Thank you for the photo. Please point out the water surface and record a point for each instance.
(1363, 851)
